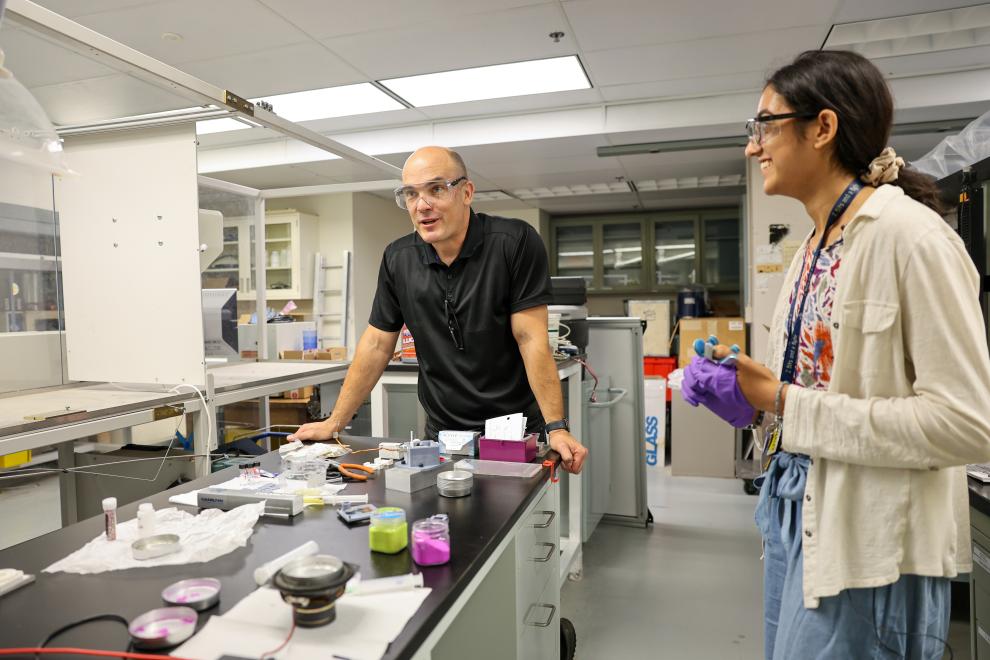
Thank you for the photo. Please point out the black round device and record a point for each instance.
(312, 585)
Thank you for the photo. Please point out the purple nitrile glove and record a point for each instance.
(715, 386)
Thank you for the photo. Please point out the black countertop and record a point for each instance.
(979, 495)
(478, 523)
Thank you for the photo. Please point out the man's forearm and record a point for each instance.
(541, 371)
(370, 360)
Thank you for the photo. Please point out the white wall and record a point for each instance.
(762, 211)
(377, 222)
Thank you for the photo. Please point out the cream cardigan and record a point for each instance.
(907, 407)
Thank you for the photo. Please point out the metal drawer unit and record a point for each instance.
(538, 580)
(979, 586)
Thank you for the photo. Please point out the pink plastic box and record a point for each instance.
(517, 451)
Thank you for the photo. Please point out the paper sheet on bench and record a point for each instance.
(364, 627)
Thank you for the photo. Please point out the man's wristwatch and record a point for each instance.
(556, 426)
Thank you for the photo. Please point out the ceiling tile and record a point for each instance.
(694, 86)
(74, 8)
(228, 28)
(511, 153)
(513, 104)
(322, 19)
(36, 61)
(703, 57)
(626, 23)
(279, 70)
(506, 36)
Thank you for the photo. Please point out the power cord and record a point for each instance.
(75, 624)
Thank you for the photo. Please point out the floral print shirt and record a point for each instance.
(815, 357)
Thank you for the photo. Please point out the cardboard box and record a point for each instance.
(335, 353)
(299, 393)
(729, 330)
(701, 443)
(656, 313)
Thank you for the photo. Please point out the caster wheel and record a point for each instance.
(749, 487)
(575, 576)
(568, 639)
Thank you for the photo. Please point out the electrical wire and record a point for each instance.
(594, 395)
(268, 654)
(91, 652)
(75, 624)
(206, 411)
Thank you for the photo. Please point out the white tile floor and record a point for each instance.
(689, 586)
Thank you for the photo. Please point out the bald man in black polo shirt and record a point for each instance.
(473, 290)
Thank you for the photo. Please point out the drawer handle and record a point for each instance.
(541, 624)
(551, 548)
(550, 516)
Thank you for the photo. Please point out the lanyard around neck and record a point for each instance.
(794, 320)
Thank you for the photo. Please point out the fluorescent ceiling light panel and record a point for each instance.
(490, 196)
(558, 74)
(930, 32)
(343, 101)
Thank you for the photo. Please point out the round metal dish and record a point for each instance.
(197, 593)
(456, 483)
(155, 546)
(163, 628)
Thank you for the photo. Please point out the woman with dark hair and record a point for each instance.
(878, 383)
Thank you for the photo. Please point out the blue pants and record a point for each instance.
(906, 619)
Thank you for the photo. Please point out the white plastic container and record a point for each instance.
(146, 520)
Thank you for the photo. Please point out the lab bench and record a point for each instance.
(92, 408)
(979, 582)
(497, 598)
(572, 505)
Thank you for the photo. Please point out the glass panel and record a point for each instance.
(674, 252)
(721, 265)
(575, 252)
(31, 320)
(622, 255)
(278, 255)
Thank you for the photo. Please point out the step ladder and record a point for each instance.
(326, 299)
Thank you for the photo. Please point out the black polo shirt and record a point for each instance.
(502, 269)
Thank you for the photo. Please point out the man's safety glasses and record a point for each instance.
(434, 191)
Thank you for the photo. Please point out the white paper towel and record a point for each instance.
(364, 627)
(211, 534)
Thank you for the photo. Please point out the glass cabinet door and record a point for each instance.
(622, 255)
(576, 252)
(279, 273)
(674, 252)
(224, 272)
(721, 239)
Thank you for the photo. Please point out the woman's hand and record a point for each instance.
(757, 383)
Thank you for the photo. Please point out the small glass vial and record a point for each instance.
(389, 532)
(146, 520)
(431, 540)
(110, 518)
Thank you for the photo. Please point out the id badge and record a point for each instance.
(771, 442)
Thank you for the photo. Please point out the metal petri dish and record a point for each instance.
(163, 628)
(197, 593)
(155, 546)
(315, 572)
(456, 483)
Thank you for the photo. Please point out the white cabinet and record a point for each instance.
(538, 581)
(290, 245)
